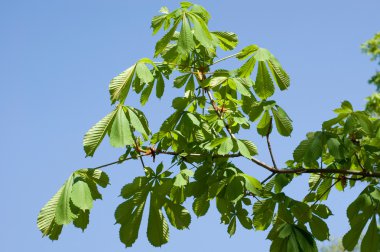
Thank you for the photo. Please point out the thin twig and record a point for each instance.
(269, 145)
(328, 189)
(225, 58)
(268, 178)
(360, 164)
(117, 162)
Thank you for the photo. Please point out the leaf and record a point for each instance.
(246, 51)
(95, 135)
(264, 127)
(324, 189)
(252, 184)
(82, 219)
(164, 41)
(201, 32)
(301, 211)
(158, 229)
(120, 85)
(309, 150)
(46, 218)
(232, 226)
(263, 87)
(319, 229)
(243, 149)
(282, 120)
(143, 72)
(181, 80)
(371, 239)
(263, 213)
(146, 94)
(226, 40)
(121, 134)
(241, 88)
(129, 229)
(280, 76)
(322, 211)
(160, 86)
(178, 216)
(201, 205)
(137, 121)
(81, 195)
(235, 189)
(246, 69)
(185, 41)
(63, 214)
(226, 146)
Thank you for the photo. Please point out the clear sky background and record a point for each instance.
(57, 58)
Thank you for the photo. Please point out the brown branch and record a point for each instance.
(269, 145)
(360, 164)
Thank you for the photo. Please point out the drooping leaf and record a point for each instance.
(280, 76)
(81, 195)
(120, 85)
(282, 120)
(164, 41)
(95, 135)
(263, 87)
(371, 239)
(226, 40)
(319, 228)
(121, 134)
(158, 229)
(63, 214)
(201, 205)
(178, 216)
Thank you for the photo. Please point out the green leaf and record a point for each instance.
(235, 189)
(282, 120)
(246, 51)
(137, 121)
(185, 41)
(143, 72)
(201, 32)
(181, 80)
(180, 103)
(82, 219)
(63, 214)
(160, 86)
(301, 211)
(371, 239)
(226, 147)
(46, 218)
(226, 40)
(252, 184)
(178, 216)
(81, 195)
(120, 85)
(121, 134)
(319, 228)
(241, 88)
(322, 211)
(309, 150)
(130, 226)
(265, 126)
(164, 41)
(246, 69)
(158, 229)
(280, 76)
(95, 135)
(201, 205)
(243, 149)
(146, 94)
(263, 213)
(263, 87)
(232, 226)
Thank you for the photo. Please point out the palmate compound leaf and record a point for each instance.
(95, 135)
(71, 202)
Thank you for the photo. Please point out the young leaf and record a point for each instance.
(226, 40)
(201, 205)
(81, 195)
(120, 85)
(46, 218)
(185, 40)
(164, 41)
(143, 72)
(95, 135)
(121, 134)
(158, 229)
(63, 214)
(282, 120)
(263, 87)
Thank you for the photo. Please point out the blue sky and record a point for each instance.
(57, 58)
